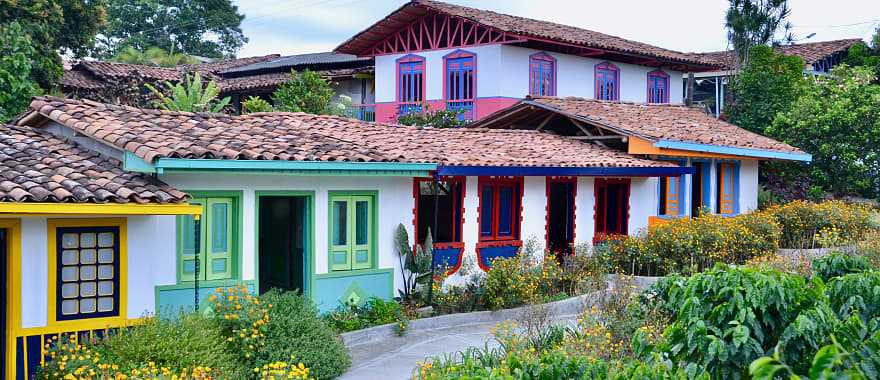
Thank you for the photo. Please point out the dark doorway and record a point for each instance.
(612, 207)
(283, 242)
(3, 300)
(560, 216)
(697, 189)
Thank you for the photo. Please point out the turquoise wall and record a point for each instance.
(171, 300)
(333, 289)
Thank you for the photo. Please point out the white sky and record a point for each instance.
(303, 26)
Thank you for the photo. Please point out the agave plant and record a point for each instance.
(190, 96)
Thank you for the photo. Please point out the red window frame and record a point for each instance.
(412, 66)
(600, 189)
(606, 73)
(538, 63)
(458, 241)
(496, 184)
(658, 95)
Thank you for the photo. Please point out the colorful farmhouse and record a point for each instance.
(109, 212)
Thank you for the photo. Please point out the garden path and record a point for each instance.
(395, 358)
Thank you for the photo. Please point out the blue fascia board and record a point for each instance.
(734, 151)
(564, 171)
(171, 164)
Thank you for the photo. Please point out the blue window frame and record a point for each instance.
(607, 81)
(410, 83)
(542, 75)
(500, 200)
(658, 87)
(460, 85)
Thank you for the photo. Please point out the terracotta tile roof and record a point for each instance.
(811, 52)
(102, 70)
(152, 134)
(299, 60)
(36, 167)
(663, 122)
(525, 27)
(270, 81)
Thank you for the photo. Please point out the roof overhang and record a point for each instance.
(668, 171)
(45, 209)
(300, 168)
(733, 151)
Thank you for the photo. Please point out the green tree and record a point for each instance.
(433, 118)
(16, 85)
(55, 27)
(190, 96)
(304, 92)
(207, 28)
(153, 56)
(755, 22)
(837, 120)
(256, 104)
(862, 54)
(767, 85)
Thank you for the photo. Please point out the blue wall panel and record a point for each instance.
(333, 289)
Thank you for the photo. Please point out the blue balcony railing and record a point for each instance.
(407, 108)
(365, 112)
(465, 108)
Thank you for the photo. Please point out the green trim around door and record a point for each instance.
(309, 265)
(373, 233)
(237, 222)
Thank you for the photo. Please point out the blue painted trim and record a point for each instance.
(707, 182)
(563, 171)
(132, 163)
(219, 164)
(683, 204)
(736, 192)
(734, 151)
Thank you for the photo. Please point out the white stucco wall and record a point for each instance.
(748, 185)
(642, 203)
(395, 206)
(534, 211)
(503, 71)
(150, 261)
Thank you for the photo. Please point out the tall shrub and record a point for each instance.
(16, 85)
(304, 92)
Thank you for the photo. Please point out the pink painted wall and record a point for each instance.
(387, 112)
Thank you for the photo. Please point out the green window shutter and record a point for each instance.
(218, 253)
(340, 233)
(186, 241)
(362, 225)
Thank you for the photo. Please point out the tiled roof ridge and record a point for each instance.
(438, 6)
(779, 46)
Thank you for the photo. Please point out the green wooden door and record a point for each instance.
(188, 253)
(362, 218)
(340, 247)
(351, 232)
(218, 257)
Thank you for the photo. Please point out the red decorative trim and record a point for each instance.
(458, 179)
(600, 183)
(435, 31)
(660, 74)
(542, 56)
(516, 227)
(490, 244)
(610, 67)
(549, 181)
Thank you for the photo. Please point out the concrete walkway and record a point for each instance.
(395, 358)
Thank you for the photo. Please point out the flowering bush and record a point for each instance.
(374, 312)
(688, 245)
(806, 224)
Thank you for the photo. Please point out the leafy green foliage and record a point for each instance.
(190, 96)
(16, 85)
(767, 85)
(305, 92)
(374, 312)
(839, 264)
(433, 118)
(55, 27)
(187, 342)
(865, 55)
(295, 330)
(152, 56)
(755, 22)
(207, 28)
(416, 264)
(837, 120)
(256, 104)
(726, 318)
